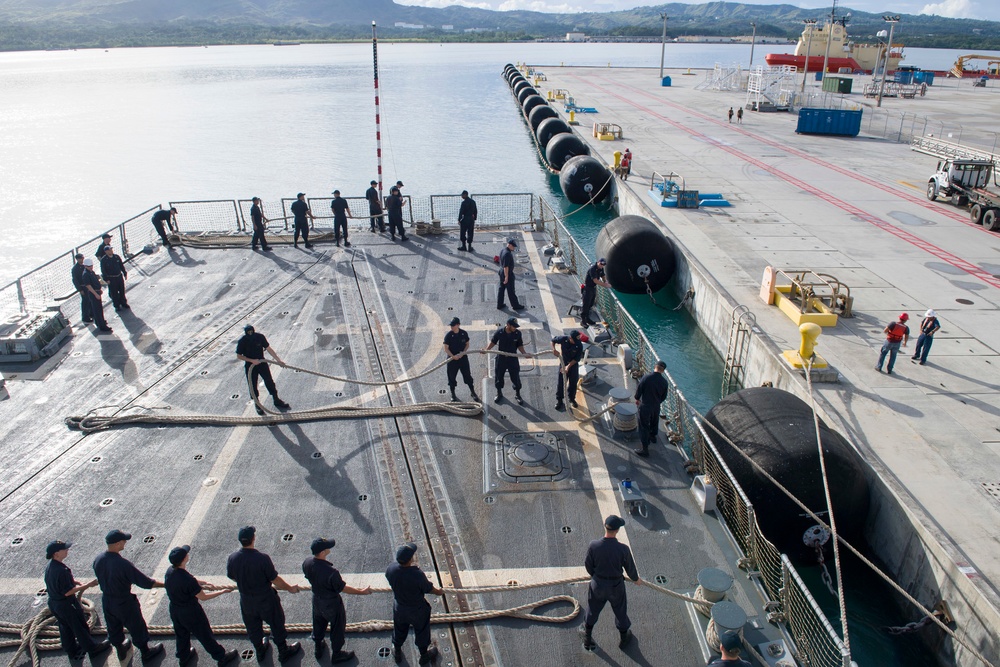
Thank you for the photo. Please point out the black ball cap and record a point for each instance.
(405, 553)
(178, 554)
(55, 546)
(614, 522)
(248, 327)
(513, 322)
(455, 321)
(321, 544)
(117, 536)
(246, 535)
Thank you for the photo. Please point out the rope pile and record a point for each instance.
(39, 633)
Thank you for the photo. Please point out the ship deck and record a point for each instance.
(374, 312)
(854, 208)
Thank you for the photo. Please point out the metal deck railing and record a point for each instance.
(816, 643)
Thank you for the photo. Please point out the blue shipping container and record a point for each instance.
(829, 121)
(904, 76)
(666, 82)
(924, 77)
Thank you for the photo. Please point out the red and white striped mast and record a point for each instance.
(378, 117)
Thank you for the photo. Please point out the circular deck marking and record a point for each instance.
(199, 457)
(317, 455)
(363, 497)
(234, 500)
(449, 452)
(247, 655)
(149, 539)
(567, 530)
(234, 396)
(661, 579)
(287, 537)
(107, 502)
(383, 652)
(203, 373)
(95, 459)
(489, 500)
(17, 540)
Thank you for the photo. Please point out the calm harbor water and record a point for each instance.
(93, 137)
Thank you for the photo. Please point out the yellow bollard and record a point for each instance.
(800, 358)
(551, 96)
(618, 159)
(810, 333)
(572, 118)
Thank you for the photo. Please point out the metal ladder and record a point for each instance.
(734, 374)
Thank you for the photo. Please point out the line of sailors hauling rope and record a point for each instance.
(608, 562)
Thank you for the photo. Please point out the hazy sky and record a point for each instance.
(978, 9)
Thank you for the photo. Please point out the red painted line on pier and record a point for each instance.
(903, 235)
(919, 201)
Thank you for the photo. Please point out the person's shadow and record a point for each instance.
(329, 481)
(142, 336)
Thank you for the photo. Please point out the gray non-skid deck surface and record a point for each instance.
(853, 208)
(373, 313)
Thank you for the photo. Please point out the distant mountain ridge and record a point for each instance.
(259, 20)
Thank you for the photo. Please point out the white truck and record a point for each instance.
(968, 183)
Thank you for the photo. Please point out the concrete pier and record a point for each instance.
(853, 208)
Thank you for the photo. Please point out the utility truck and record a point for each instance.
(968, 183)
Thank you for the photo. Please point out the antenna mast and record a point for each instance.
(378, 116)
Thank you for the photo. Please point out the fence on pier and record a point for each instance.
(816, 642)
(900, 126)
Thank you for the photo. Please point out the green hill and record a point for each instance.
(39, 24)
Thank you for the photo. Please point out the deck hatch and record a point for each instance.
(531, 457)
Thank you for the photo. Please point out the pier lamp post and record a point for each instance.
(892, 21)
(809, 40)
(829, 38)
(663, 43)
(753, 41)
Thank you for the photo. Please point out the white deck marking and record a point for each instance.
(604, 488)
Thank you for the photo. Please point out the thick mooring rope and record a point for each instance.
(92, 422)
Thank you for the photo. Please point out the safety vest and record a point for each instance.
(896, 332)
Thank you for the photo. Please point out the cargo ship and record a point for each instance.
(845, 55)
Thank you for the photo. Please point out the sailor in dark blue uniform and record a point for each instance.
(121, 607)
(593, 278)
(92, 290)
(410, 608)
(651, 392)
(730, 646)
(327, 605)
(606, 558)
(114, 274)
(74, 635)
(189, 619)
(456, 348)
(468, 213)
(570, 352)
(301, 214)
(257, 580)
(163, 220)
(508, 339)
(105, 241)
(507, 277)
(77, 275)
(250, 350)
